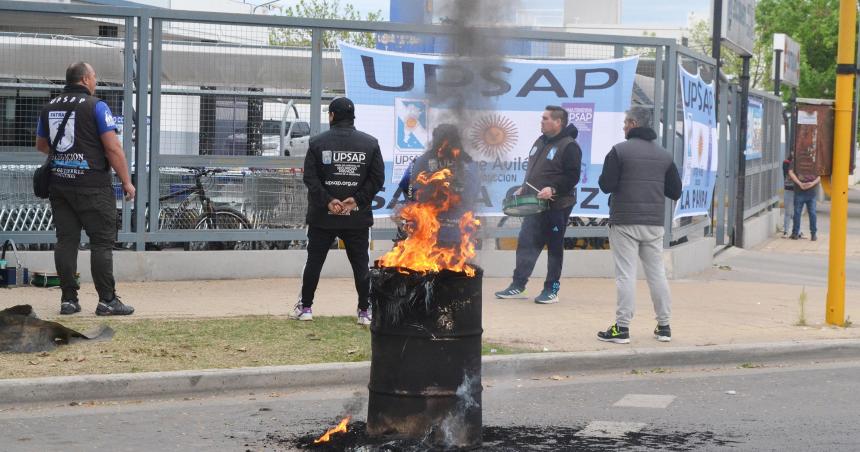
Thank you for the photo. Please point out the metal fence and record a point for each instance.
(222, 93)
(763, 172)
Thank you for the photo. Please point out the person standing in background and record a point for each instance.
(788, 198)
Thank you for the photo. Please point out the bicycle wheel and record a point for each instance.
(174, 218)
(221, 218)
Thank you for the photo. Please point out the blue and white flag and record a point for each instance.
(699, 171)
(396, 101)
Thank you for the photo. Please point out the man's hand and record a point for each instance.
(335, 207)
(546, 193)
(349, 205)
(519, 191)
(129, 190)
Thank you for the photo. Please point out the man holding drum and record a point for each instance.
(553, 171)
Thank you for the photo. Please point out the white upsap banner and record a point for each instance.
(391, 92)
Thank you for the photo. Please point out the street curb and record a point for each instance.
(664, 357)
(170, 384)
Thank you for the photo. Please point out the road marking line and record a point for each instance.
(645, 401)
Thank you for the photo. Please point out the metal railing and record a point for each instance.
(187, 102)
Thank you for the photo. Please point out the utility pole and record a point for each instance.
(846, 69)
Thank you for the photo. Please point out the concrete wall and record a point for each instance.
(761, 227)
(680, 261)
(690, 258)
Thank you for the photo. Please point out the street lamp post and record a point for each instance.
(254, 9)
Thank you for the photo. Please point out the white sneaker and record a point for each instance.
(364, 318)
(302, 313)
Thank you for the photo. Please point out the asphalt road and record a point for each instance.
(798, 407)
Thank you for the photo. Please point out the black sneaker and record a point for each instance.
(513, 291)
(113, 307)
(794, 237)
(814, 237)
(616, 334)
(68, 307)
(663, 333)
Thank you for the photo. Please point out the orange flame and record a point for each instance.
(341, 428)
(420, 252)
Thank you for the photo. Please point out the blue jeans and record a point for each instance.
(788, 209)
(805, 198)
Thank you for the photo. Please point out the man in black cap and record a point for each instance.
(343, 172)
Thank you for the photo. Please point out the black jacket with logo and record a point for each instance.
(80, 158)
(556, 162)
(341, 163)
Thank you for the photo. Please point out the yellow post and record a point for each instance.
(845, 72)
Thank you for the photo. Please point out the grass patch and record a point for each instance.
(149, 345)
(750, 366)
(492, 348)
(801, 318)
(656, 370)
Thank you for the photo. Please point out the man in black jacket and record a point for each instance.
(638, 174)
(445, 151)
(555, 162)
(78, 131)
(343, 172)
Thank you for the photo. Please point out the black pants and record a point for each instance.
(92, 209)
(319, 242)
(546, 228)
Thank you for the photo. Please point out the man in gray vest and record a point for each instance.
(638, 174)
(78, 131)
(555, 162)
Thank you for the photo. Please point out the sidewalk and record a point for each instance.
(743, 310)
(740, 303)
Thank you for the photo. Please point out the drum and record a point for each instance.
(524, 205)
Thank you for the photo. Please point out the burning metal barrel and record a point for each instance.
(425, 375)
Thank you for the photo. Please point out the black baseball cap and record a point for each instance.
(342, 107)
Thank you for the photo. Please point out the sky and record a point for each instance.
(633, 12)
(662, 12)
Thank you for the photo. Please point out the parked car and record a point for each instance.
(296, 137)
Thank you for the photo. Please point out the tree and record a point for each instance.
(323, 9)
(814, 24)
(732, 64)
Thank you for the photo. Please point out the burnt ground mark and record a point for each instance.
(510, 439)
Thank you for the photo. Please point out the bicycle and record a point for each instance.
(207, 216)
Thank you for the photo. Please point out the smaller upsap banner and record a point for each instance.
(699, 173)
(755, 128)
(398, 100)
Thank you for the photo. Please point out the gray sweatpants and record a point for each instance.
(645, 242)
